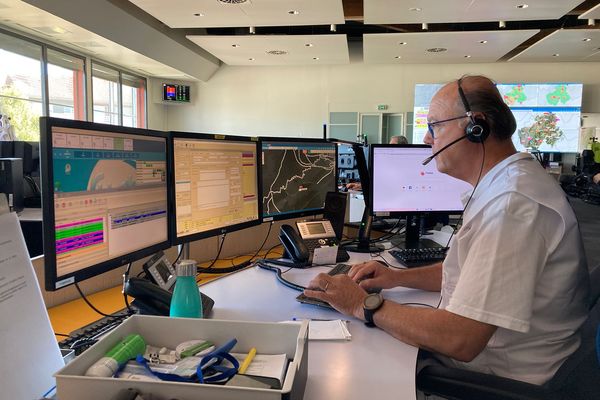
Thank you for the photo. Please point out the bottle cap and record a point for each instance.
(186, 268)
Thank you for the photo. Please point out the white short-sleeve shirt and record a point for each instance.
(518, 263)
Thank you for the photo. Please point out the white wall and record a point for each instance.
(295, 101)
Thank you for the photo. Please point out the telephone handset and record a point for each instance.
(313, 234)
(294, 246)
(154, 300)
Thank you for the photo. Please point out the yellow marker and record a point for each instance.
(247, 360)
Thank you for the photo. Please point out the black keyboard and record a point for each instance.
(81, 339)
(419, 257)
(337, 270)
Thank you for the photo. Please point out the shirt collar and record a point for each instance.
(492, 174)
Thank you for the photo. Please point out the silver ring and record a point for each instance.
(326, 286)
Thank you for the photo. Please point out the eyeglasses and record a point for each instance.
(430, 125)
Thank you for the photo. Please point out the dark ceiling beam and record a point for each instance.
(353, 10)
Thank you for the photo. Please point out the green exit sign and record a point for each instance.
(382, 107)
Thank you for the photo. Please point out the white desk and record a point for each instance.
(372, 365)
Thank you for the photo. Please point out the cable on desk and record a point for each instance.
(178, 254)
(280, 278)
(125, 279)
(207, 270)
(88, 303)
(259, 249)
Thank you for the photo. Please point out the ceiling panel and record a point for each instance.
(31, 20)
(436, 11)
(441, 47)
(593, 13)
(263, 50)
(564, 45)
(227, 13)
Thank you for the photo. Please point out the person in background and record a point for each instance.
(398, 139)
(514, 284)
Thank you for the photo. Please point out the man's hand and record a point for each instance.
(596, 178)
(354, 186)
(341, 292)
(372, 275)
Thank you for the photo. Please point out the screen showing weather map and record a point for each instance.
(110, 195)
(548, 115)
(423, 94)
(296, 177)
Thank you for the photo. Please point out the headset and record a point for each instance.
(478, 129)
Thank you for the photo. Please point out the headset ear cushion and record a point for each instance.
(478, 130)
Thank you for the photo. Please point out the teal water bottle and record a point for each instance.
(186, 296)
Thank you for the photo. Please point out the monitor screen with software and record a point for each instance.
(105, 198)
(401, 184)
(216, 185)
(296, 176)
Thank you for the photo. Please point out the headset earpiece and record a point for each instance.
(477, 129)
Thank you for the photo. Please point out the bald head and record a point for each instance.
(485, 101)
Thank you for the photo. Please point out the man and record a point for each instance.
(514, 284)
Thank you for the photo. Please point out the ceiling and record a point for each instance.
(241, 32)
(318, 32)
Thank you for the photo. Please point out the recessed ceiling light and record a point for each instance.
(415, 9)
(276, 52)
(436, 50)
(293, 12)
(398, 57)
(402, 43)
(198, 15)
(483, 41)
(315, 58)
(251, 59)
(467, 56)
(555, 55)
(235, 45)
(233, 1)
(309, 45)
(522, 6)
(587, 39)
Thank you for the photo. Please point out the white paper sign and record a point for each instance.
(29, 353)
(325, 255)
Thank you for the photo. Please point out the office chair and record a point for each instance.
(577, 378)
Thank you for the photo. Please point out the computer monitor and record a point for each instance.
(104, 195)
(216, 185)
(296, 176)
(402, 187)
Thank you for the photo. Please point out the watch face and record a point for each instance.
(372, 301)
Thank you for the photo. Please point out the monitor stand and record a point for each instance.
(412, 237)
(364, 244)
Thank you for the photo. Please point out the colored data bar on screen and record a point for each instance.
(79, 234)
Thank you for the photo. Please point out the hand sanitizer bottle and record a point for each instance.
(186, 301)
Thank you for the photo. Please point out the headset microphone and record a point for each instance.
(434, 155)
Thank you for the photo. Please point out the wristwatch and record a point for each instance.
(371, 304)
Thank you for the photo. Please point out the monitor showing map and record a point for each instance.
(216, 185)
(548, 115)
(296, 176)
(104, 196)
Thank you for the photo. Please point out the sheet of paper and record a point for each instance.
(269, 365)
(328, 330)
(325, 255)
(29, 351)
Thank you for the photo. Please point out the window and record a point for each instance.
(21, 85)
(118, 98)
(105, 95)
(134, 101)
(66, 85)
